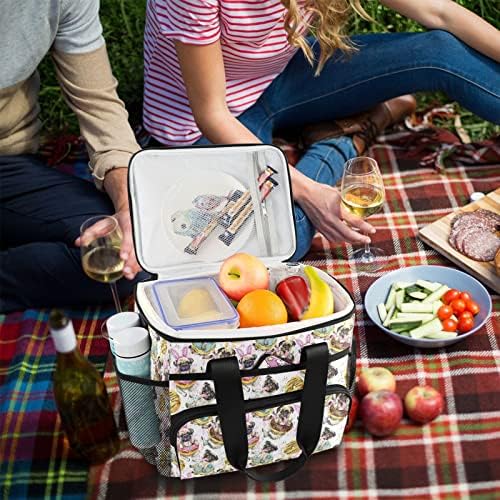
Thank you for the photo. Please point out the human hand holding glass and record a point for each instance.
(100, 242)
(363, 194)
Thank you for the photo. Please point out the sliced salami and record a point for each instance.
(456, 218)
(490, 217)
(468, 234)
(469, 222)
(454, 235)
(463, 228)
(473, 234)
(487, 217)
(452, 238)
(470, 218)
(482, 247)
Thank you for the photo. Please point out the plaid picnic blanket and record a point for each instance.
(457, 456)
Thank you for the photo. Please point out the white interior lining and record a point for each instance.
(343, 304)
(158, 176)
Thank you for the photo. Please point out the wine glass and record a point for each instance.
(101, 239)
(362, 193)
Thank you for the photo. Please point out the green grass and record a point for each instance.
(123, 23)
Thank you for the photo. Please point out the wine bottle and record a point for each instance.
(81, 397)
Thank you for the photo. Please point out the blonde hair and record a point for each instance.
(329, 18)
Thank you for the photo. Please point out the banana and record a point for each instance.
(321, 302)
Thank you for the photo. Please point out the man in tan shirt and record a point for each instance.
(41, 209)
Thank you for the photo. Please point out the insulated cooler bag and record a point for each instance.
(229, 399)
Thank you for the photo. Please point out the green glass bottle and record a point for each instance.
(81, 397)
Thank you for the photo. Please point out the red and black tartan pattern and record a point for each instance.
(456, 456)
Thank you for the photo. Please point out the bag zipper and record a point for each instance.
(256, 371)
(155, 276)
(350, 352)
(192, 146)
(225, 339)
(177, 421)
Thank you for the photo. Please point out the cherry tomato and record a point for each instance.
(449, 325)
(465, 324)
(450, 295)
(472, 306)
(458, 306)
(465, 314)
(465, 296)
(444, 312)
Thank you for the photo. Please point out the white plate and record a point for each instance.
(179, 200)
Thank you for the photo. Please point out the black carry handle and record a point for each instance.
(231, 411)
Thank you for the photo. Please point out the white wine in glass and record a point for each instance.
(101, 239)
(363, 200)
(362, 193)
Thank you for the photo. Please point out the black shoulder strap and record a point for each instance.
(231, 411)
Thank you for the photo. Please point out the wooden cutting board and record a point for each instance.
(436, 236)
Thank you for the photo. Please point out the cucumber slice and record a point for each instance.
(382, 312)
(400, 297)
(423, 317)
(391, 299)
(441, 335)
(429, 285)
(416, 308)
(433, 326)
(404, 321)
(401, 285)
(401, 330)
(416, 288)
(435, 306)
(405, 334)
(417, 295)
(437, 294)
(389, 316)
(405, 327)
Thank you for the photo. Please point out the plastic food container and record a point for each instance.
(194, 303)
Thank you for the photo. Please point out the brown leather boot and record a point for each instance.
(365, 127)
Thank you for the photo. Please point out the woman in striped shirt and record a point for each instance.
(232, 71)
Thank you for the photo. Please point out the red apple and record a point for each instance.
(376, 379)
(423, 404)
(353, 412)
(242, 273)
(381, 412)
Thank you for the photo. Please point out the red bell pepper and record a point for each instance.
(294, 293)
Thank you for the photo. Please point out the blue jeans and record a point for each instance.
(41, 211)
(385, 66)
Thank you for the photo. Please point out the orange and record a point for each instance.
(261, 308)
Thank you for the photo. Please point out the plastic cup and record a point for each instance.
(117, 323)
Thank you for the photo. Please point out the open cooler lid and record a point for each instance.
(198, 205)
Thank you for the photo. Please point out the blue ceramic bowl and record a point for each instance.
(379, 290)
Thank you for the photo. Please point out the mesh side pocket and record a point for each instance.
(142, 419)
(147, 412)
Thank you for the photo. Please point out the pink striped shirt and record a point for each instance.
(254, 48)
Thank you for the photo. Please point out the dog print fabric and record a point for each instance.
(197, 448)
